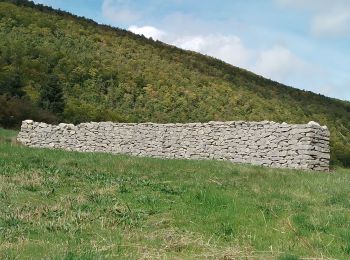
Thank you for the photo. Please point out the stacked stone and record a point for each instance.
(260, 143)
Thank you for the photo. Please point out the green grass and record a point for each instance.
(7, 136)
(66, 205)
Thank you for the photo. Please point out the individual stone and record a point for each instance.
(313, 123)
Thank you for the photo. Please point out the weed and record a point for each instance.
(288, 257)
(226, 230)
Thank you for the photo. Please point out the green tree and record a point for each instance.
(11, 85)
(51, 96)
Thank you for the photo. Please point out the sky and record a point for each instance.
(301, 43)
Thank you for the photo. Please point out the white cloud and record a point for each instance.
(280, 64)
(331, 24)
(117, 11)
(227, 48)
(46, 2)
(330, 18)
(341, 88)
(316, 4)
(148, 31)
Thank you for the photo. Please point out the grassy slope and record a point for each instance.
(59, 204)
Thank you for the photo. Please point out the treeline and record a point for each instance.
(55, 67)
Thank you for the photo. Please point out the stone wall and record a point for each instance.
(261, 143)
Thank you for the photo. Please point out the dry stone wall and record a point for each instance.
(261, 143)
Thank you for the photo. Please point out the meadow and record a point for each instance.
(66, 205)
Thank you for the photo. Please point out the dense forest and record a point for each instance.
(55, 66)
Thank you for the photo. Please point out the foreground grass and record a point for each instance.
(56, 204)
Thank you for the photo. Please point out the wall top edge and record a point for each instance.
(210, 123)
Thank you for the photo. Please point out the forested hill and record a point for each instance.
(55, 66)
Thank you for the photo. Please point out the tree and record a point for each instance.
(51, 96)
(11, 85)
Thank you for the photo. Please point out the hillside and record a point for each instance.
(55, 66)
(66, 205)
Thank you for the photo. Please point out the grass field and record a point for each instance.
(66, 205)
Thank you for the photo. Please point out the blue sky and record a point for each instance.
(302, 43)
